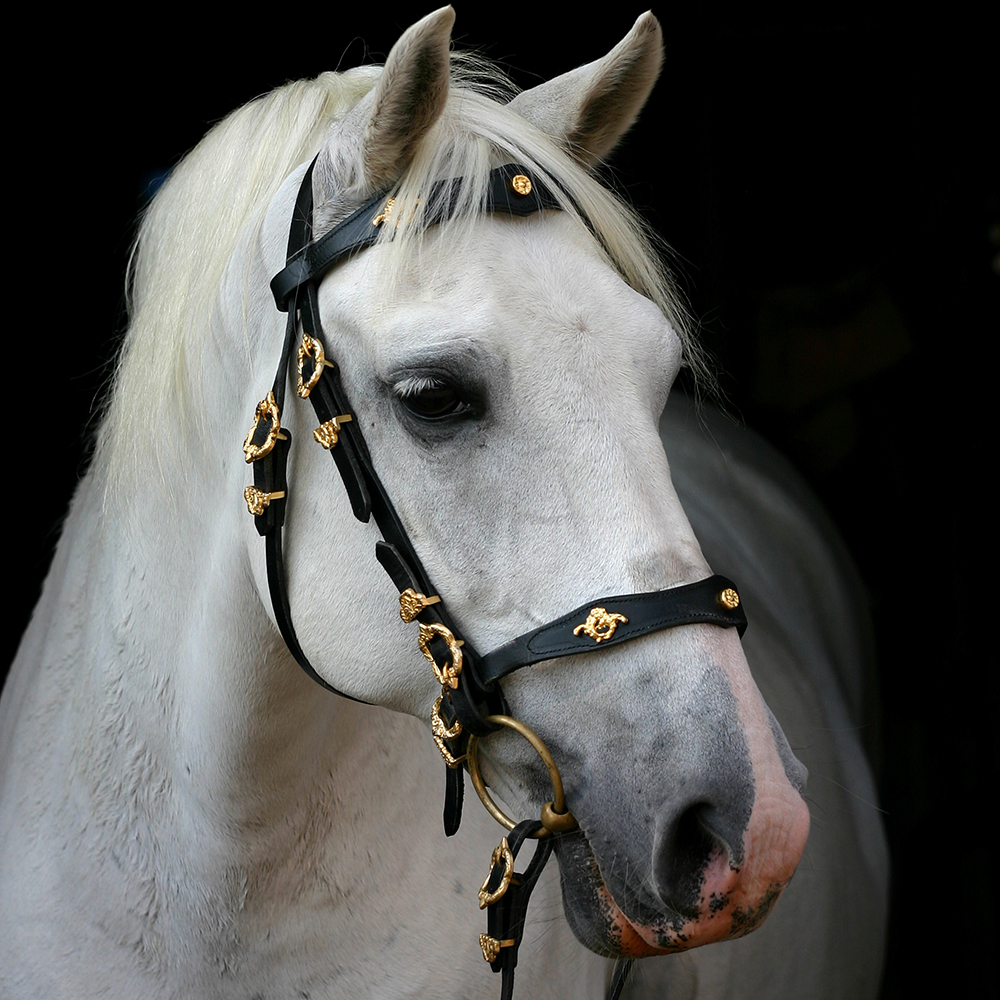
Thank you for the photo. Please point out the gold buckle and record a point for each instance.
(501, 854)
(442, 732)
(328, 432)
(310, 348)
(257, 500)
(268, 408)
(447, 675)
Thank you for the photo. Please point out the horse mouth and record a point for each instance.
(632, 923)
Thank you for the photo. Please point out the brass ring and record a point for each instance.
(555, 817)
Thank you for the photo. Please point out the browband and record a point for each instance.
(360, 230)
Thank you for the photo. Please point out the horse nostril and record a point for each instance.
(690, 841)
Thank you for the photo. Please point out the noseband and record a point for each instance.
(471, 704)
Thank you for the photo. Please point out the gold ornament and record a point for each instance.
(600, 624)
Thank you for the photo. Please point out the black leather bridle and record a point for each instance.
(472, 701)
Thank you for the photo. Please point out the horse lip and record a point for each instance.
(603, 925)
(600, 922)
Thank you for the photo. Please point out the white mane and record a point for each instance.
(191, 228)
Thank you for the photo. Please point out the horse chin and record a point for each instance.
(604, 926)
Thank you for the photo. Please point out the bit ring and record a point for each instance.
(555, 818)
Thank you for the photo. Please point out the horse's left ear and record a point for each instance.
(589, 109)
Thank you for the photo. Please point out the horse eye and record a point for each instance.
(435, 402)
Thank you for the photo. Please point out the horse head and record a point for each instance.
(508, 374)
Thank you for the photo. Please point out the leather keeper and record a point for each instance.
(269, 477)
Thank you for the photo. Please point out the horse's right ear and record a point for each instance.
(375, 142)
(590, 108)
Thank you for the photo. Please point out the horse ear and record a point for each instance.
(377, 139)
(589, 109)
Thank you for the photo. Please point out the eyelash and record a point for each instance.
(412, 385)
(432, 399)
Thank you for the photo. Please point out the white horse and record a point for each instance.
(185, 813)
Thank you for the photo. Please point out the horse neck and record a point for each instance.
(168, 729)
(182, 655)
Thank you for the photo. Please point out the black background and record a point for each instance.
(828, 186)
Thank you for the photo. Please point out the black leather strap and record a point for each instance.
(505, 917)
(643, 613)
(310, 261)
(623, 969)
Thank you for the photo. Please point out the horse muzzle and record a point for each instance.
(694, 894)
(713, 857)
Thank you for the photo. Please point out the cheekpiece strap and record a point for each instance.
(512, 190)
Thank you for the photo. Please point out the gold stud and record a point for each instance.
(328, 433)
(728, 598)
(411, 604)
(257, 500)
(521, 183)
(600, 624)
